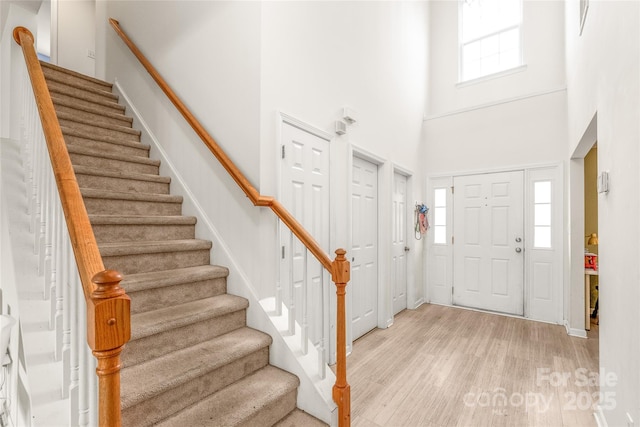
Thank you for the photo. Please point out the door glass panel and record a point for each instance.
(542, 214)
(440, 216)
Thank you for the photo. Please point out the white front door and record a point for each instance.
(304, 177)
(364, 247)
(399, 243)
(488, 242)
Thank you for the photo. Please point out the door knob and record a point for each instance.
(518, 250)
(518, 239)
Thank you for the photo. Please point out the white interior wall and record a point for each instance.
(44, 29)
(76, 29)
(543, 56)
(518, 119)
(208, 52)
(319, 56)
(514, 134)
(603, 65)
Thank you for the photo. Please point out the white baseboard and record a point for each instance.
(600, 418)
(580, 333)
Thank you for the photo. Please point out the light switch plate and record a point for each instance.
(603, 182)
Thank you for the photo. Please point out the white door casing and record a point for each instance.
(364, 247)
(399, 244)
(488, 242)
(304, 180)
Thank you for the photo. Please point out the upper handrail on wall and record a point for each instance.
(256, 198)
(108, 306)
(339, 268)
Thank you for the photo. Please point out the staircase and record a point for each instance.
(191, 360)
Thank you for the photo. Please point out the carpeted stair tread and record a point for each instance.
(191, 357)
(104, 105)
(78, 149)
(164, 319)
(165, 288)
(85, 170)
(142, 219)
(47, 66)
(146, 380)
(298, 418)
(76, 90)
(152, 246)
(63, 104)
(73, 121)
(159, 279)
(119, 195)
(80, 133)
(243, 403)
(80, 84)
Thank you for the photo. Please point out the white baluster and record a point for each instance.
(48, 227)
(35, 177)
(278, 291)
(93, 387)
(41, 208)
(292, 294)
(58, 285)
(320, 346)
(33, 200)
(77, 300)
(83, 359)
(65, 283)
(304, 327)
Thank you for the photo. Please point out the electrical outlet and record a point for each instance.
(91, 53)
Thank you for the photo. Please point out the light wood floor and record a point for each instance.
(444, 366)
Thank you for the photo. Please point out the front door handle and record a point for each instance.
(518, 250)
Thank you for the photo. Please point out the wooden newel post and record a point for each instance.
(341, 390)
(108, 329)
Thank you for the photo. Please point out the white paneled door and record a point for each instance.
(488, 242)
(399, 246)
(364, 247)
(304, 176)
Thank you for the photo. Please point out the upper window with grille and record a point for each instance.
(490, 37)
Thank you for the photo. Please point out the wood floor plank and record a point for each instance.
(445, 366)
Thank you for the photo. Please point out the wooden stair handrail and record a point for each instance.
(256, 198)
(338, 268)
(108, 306)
